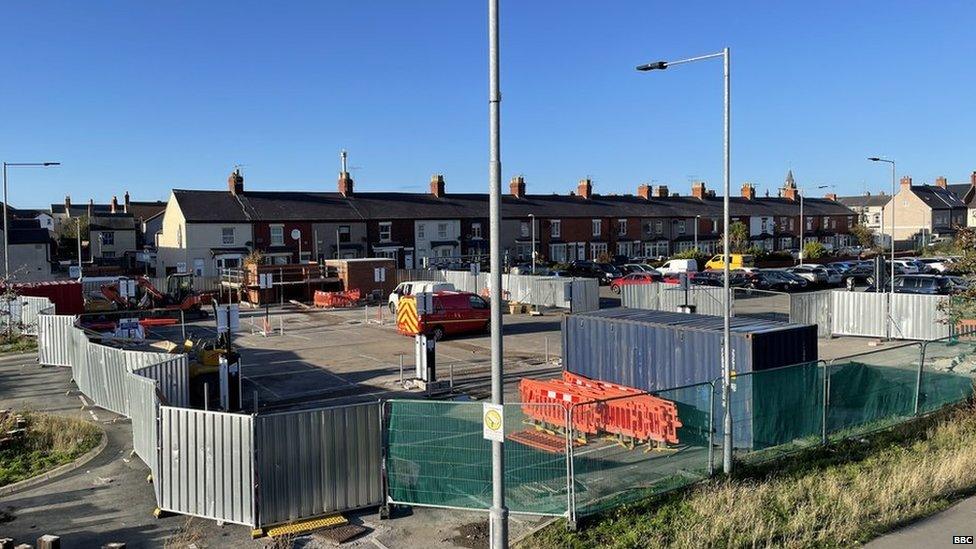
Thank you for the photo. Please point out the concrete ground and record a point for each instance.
(935, 531)
(322, 358)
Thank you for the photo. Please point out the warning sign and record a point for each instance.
(493, 416)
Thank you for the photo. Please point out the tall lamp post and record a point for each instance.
(6, 233)
(498, 513)
(726, 291)
(532, 220)
(697, 217)
(891, 293)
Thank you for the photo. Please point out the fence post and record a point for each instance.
(918, 377)
(826, 403)
(570, 472)
(711, 427)
(401, 369)
(547, 349)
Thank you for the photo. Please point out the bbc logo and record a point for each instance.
(962, 540)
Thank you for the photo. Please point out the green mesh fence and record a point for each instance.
(436, 455)
(947, 376)
(610, 470)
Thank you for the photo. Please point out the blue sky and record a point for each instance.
(148, 96)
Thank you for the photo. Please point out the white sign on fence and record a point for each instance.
(265, 281)
(235, 317)
(493, 420)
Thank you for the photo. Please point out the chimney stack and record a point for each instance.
(644, 191)
(790, 193)
(345, 184)
(972, 179)
(906, 182)
(91, 207)
(67, 200)
(437, 185)
(126, 199)
(748, 191)
(698, 190)
(660, 191)
(517, 186)
(941, 182)
(585, 188)
(235, 182)
(115, 204)
(831, 196)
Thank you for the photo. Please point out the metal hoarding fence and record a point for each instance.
(172, 377)
(670, 297)
(859, 314)
(144, 412)
(812, 308)
(313, 462)
(436, 456)
(761, 304)
(54, 339)
(912, 316)
(206, 465)
(916, 316)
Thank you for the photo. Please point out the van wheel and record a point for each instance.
(437, 333)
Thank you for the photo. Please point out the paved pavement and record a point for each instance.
(935, 531)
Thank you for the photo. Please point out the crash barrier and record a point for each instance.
(554, 465)
(20, 313)
(255, 470)
(662, 296)
(579, 295)
(329, 300)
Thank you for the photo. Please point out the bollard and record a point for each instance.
(47, 541)
(281, 326)
(401, 368)
(366, 314)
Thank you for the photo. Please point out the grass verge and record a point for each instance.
(17, 344)
(50, 441)
(836, 496)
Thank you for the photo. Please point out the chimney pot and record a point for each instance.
(831, 196)
(644, 191)
(698, 190)
(906, 182)
(661, 191)
(115, 204)
(516, 187)
(585, 188)
(126, 199)
(235, 182)
(91, 207)
(748, 191)
(941, 182)
(437, 185)
(67, 202)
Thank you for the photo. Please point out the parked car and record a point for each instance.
(921, 284)
(736, 261)
(798, 282)
(937, 264)
(633, 279)
(708, 278)
(770, 280)
(908, 266)
(834, 276)
(813, 275)
(453, 313)
(637, 268)
(603, 272)
(416, 287)
(674, 266)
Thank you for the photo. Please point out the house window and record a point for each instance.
(277, 235)
(597, 249)
(108, 239)
(386, 231)
(826, 221)
(557, 253)
(476, 230)
(659, 227)
(809, 224)
(681, 227)
(597, 227)
(524, 228)
(442, 230)
(108, 255)
(621, 227)
(762, 226)
(227, 235)
(792, 224)
(344, 233)
(555, 228)
(421, 231)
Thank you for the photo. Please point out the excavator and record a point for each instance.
(180, 296)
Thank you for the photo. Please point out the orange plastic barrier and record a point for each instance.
(600, 407)
(330, 300)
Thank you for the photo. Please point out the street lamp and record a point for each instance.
(532, 220)
(726, 325)
(6, 235)
(891, 293)
(697, 217)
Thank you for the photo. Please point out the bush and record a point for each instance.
(813, 250)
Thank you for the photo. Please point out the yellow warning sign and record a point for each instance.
(494, 422)
(407, 321)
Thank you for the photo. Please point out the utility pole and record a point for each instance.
(498, 514)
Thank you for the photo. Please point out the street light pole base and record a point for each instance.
(498, 527)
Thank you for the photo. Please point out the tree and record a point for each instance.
(738, 237)
(68, 228)
(813, 250)
(864, 236)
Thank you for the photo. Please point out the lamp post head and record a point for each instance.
(52, 163)
(874, 159)
(657, 65)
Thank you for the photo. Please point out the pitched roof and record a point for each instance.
(143, 210)
(864, 200)
(937, 198)
(961, 190)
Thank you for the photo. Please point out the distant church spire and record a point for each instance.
(790, 183)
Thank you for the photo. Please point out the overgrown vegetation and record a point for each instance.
(46, 442)
(864, 236)
(835, 496)
(17, 343)
(813, 250)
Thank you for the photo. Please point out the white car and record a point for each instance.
(907, 266)
(416, 287)
(812, 274)
(938, 264)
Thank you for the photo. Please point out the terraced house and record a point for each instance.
(206, 230)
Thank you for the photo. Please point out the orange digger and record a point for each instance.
(180, 296)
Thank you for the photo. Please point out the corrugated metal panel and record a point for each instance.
(812, 308)
(659, 350)
(173, 377)
(858, 314)
(585, 296)
(107, 372)
(205, 467)
(668, 297)
(144, 411)
(54, 339)
(918, 317)
(314, 462)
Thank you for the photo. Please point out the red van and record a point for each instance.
(453, 313)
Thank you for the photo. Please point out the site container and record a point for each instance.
(65, 294)
(655, 350)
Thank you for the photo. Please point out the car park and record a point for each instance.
(633, 279)
(415, 287)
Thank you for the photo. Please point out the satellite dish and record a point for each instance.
(296, 234)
